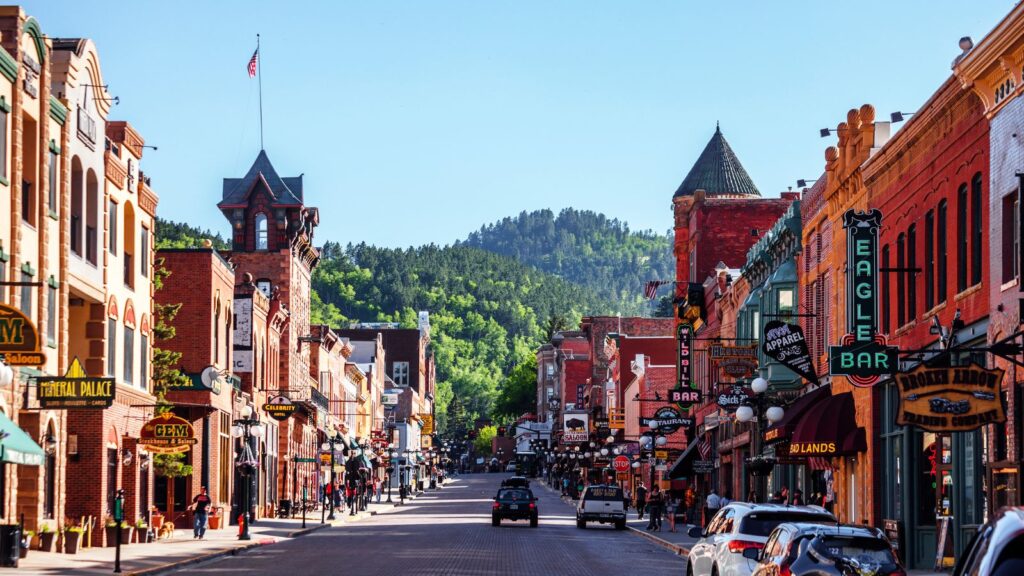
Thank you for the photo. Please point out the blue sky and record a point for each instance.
(419, 121)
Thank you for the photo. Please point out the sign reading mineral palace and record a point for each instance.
(950, 399)
(75, 390)
(19, 340)
(279, 408)
(863, 355)
(167, 434)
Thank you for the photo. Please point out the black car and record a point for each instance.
(514, 504)
(825, 550)
(515, 482)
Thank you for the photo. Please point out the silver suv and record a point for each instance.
(739, 526)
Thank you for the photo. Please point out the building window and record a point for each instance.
(28, 203)
(216, 333)
(755, 324)
(112, 225)
(144, 362)
(929, 260)
(962, 237)
(942, 257)
(901, 293)
(26, 293)
(261, 232)
(111, 347)
(786, 304)
(3, 142)
(224, 458)
(51, 315)
(129, 355)
(144, 248)
(400, 373)
(52, 196)
(886, 291)
(50, 470)
(976, 231)
(1010, 237)
(912, 263)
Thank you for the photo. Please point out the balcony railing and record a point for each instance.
(318, 399)
(86, 126)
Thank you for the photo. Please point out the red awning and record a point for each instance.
(830, 429)
(784, 428)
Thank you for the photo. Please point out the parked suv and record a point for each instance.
(514, 504)
(997, 549)
(600, 503)
(825, 550)
(741, 525)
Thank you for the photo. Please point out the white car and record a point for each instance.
(738, 526)
(511, 467)
(600, 503)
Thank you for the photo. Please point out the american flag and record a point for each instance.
(252, 63)
(704, 448)
(651, 288)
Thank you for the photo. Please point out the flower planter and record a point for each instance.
(23, 549)
(215, 522)
(157, 520)
(126, 534)
(72, 541)
(47, 541)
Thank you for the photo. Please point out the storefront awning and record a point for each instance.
(783, 429)
(16, 446)
(683, 466)
(829, 430)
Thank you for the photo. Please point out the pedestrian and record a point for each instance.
(776, 498)
(627, 497)
(378, 488)
(350, 497)
(565, 486)
(641, 501)
(655, 501)
(711, 506)
(785, 495)
(726, 498)
(798, 497)
(199, 513)
(671, 505)
(691, 506)
(752, 496)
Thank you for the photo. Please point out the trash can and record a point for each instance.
(10, 545)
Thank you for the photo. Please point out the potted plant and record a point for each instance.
(215, 518)
(112, 527)
(72, 538)
(156, 518)
(142, 530)
(26, 543)
(47, 538)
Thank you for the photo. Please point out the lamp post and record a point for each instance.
(333, 437)
(246, 429)
(766, 408)
(392, 464)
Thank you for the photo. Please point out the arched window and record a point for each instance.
(77, 205)
(129, 245)
(261, 231)
(50, 472)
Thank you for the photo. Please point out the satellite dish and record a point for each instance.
(209, 376)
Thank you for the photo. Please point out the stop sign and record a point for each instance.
(621, 464)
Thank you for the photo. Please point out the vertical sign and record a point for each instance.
(863, 355)
(242, 334)
(685, 394)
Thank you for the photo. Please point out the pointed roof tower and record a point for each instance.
(284, 191)
(718, 172)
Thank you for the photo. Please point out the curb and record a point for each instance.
(674, 548)
(304, 531)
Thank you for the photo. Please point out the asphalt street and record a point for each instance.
(448, 532)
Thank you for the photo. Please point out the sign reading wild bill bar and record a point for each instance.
(75, 390)
(948, 399)
(685, 394)
(863, 356)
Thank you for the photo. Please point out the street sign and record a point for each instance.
(661, 454)
(304, 460)
(621, 464)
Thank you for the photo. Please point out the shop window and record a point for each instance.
(901, 295)
(112, 461)
(942, 257)
(962, 238)
(111, 347)
(886, 289)
(1010, 237)
(224, 435)
(928, 478)
(929, 260)
(912, 276)
(976, 230)
(50, 472)
(786, 301)
(755, 323)
(129, 355)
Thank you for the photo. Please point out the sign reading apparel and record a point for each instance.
(279, 408)
(75, 390)
(786, 344)
(167, 434)
(950, 399)
(19, 340)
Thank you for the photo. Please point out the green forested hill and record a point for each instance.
(586, 248)
(170, 234)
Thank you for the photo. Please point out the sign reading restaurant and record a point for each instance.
(19, 339)
(75, 390)
(950, 399)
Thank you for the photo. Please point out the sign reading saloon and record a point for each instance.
(19, 340)
(863, 355)
(75, 390)
(785, 343)
(167, 434)
(950, 399)
(576, 427)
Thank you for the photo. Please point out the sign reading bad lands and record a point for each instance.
(75, 390)
(950, 399)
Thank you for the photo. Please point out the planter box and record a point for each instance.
(72, 541)
(126, 535)
(47, 541)
(215, 522)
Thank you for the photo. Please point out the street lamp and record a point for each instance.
(246, 428)
(392, 462)
(766, 408)
(333, 437)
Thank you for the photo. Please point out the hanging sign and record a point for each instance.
(736, 361)
(279, 408)
(667, 420)
(75, 390)
(19, 340)
(685, 394)
(428, 424)
(167, 434)
(576, 427)
(389, 399)
(785, 343)
(732, 399)
(863, 356)
(950, 399)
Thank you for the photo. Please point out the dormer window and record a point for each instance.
(261, 231)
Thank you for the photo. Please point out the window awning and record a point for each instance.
(783, 429)
(829, 430)
(683, 466)
(16, 446)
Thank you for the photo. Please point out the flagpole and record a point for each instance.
(259, 78)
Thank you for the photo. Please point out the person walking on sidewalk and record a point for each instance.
(654, 504)
(671, 505)
(200, 504)
(641, 501)
(711, 506)
(378, 488)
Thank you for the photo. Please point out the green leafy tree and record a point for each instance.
(482, 443)
(518, 393)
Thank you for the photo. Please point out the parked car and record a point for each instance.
(514, 504)
(825, 550)
(742, 525)
(515, 482)
(510, 467)
(997, 549)
(601, 503)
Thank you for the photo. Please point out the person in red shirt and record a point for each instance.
(200, 508)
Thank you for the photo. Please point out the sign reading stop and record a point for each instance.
(621, 464)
